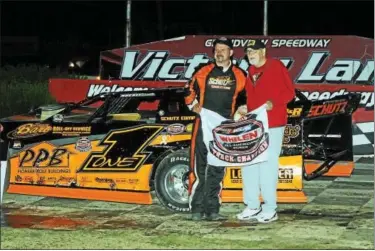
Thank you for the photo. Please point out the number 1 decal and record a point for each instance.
(124, 150)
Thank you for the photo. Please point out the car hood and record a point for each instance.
(54, 111)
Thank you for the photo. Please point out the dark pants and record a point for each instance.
(206, 189)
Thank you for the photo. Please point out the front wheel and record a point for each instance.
(172, 181)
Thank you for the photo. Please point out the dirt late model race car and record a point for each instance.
(122, 146)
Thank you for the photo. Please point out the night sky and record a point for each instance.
(91, 26)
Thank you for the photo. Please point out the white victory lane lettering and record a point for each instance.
(130, 58)
(100, 89)
(165, 71)
(157, 65)
(341, 71)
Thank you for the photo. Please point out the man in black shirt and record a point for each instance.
(218, 87)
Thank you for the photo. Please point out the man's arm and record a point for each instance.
(192, 91)
(241, 98)
(287, 89)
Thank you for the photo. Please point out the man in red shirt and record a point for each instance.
(267, 82)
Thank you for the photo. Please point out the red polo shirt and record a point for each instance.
(270, 82)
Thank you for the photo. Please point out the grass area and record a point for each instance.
(24, 86)
(144, 239)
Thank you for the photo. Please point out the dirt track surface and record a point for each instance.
(339, 215)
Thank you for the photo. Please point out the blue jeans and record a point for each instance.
(262, 178)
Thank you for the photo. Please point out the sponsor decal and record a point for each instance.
(235, 175)
(29, 130)
(83, 180)
(127, 181)
(29, 179)
(65, 180)
(180, 209)
(17, 144)
(83, 144)
(189, 128)
(177, 118)
(58, 118)
(44, 158)
(175, 129)
(295, 113)
(239, 142)
(51, 179)
(115, 157)
(286, 175)
(327, 108)
(41, 180)
(104, 180)
(71, 131)
(164, 139)
(111, 182)
(221, 82)
(291, 131)
(173, 159)
(96, 89)
(159, 65)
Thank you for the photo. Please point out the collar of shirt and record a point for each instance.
(224, 69)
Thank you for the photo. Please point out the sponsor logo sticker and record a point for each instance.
(291, 131)
(29, 130)
(175, 129)
(72, 130)
(83, 144)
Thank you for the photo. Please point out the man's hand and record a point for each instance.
(269, 105)
(242, 110)
(240, 113)
(196, 108)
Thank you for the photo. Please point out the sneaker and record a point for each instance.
(267, 217)
(248, 214)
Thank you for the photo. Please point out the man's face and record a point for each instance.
(255, 56)
(222, 53)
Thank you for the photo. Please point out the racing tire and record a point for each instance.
(171, 181)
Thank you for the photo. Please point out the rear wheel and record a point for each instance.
(172, 180)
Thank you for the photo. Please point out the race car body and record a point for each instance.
(121, 146)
